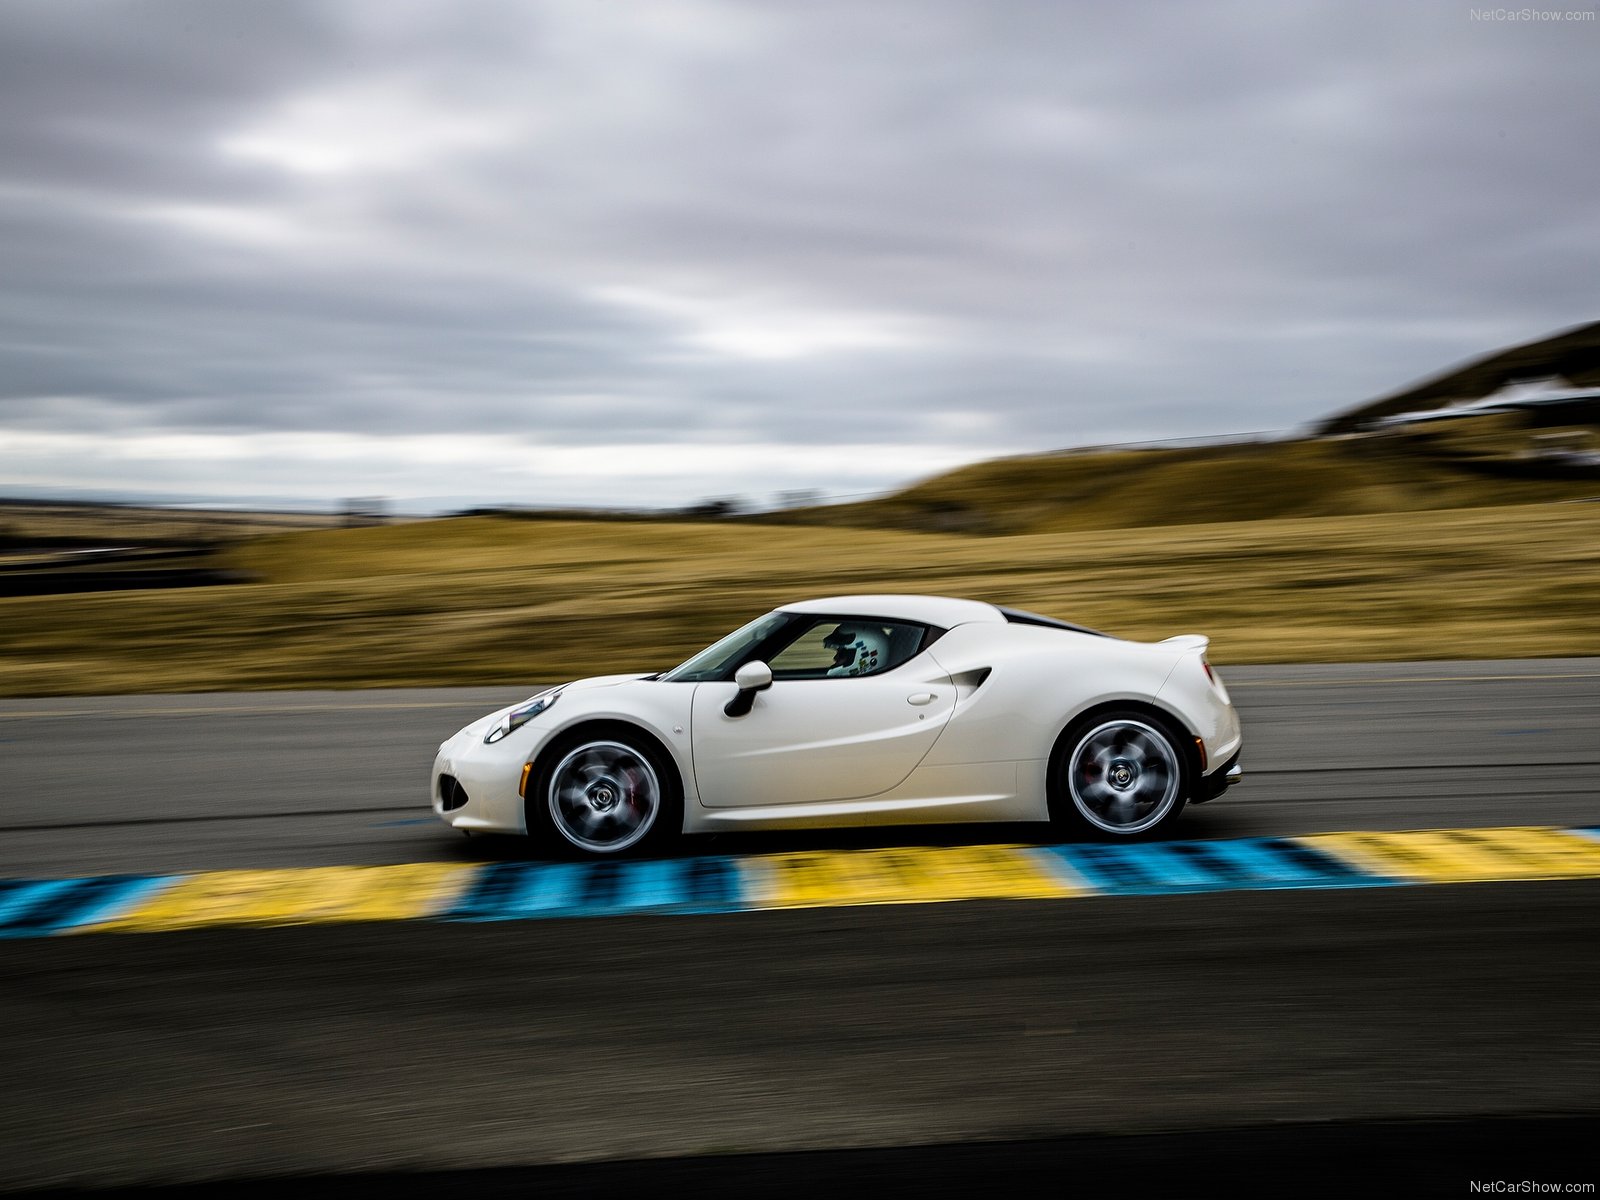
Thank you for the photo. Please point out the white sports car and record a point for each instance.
(857, 710)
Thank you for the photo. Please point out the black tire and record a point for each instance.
(1119, 775)
(604, 791)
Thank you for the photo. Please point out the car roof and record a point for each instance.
(943, 611)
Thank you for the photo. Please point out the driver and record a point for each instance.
(857, 650)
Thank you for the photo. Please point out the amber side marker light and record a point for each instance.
(522, 784)
(1199, 744)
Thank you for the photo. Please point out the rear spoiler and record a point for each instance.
(1187, 641)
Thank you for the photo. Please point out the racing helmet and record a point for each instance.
(857, 650)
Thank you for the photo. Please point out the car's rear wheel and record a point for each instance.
(1118, 775)
(606, 792)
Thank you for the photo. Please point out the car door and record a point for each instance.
(813, 738)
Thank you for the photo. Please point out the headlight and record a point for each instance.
(520, 716)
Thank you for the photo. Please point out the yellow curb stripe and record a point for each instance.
(905, 875)
(1466, 855)
(300, 897)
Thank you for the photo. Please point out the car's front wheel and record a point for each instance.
(605, 793)
(1118, 774)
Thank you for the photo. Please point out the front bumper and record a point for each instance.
(473, 786)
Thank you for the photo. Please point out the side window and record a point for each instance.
(834, 648)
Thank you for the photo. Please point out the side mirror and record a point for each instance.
(753, 677)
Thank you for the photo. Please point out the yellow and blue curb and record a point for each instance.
(515, 891)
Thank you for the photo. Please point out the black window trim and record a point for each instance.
(1018, 616)
(781, 639)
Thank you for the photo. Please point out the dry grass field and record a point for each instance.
(494, 600)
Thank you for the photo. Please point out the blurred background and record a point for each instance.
(1024, 270)
(383, 344)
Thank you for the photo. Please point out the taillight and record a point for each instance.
(1216, 681)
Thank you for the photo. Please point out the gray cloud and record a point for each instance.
(885, 236)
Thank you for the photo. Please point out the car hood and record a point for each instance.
(482, 725)
(601, 681)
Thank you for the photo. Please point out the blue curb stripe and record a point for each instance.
(518, 891)
(50, 906)
(1123, 869)
(514, 891)
(713, 885)
(1103, 871)
(1285, 862)
(21, 897)
(549, 890)
(599, 886)
(1163, 867)
(479, 902)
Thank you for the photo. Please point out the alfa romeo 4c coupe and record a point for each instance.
(857, 710)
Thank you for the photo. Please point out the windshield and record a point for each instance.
(715, 662)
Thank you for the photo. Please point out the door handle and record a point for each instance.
(921, 698)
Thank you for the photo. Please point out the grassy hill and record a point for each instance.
(1119, 489)
(1573, 354)
(1470, 464)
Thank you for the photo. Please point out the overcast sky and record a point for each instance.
(643, 253)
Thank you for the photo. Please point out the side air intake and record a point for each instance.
(451, 794)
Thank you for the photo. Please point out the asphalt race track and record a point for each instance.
(278, 779)
(1289, 1039)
